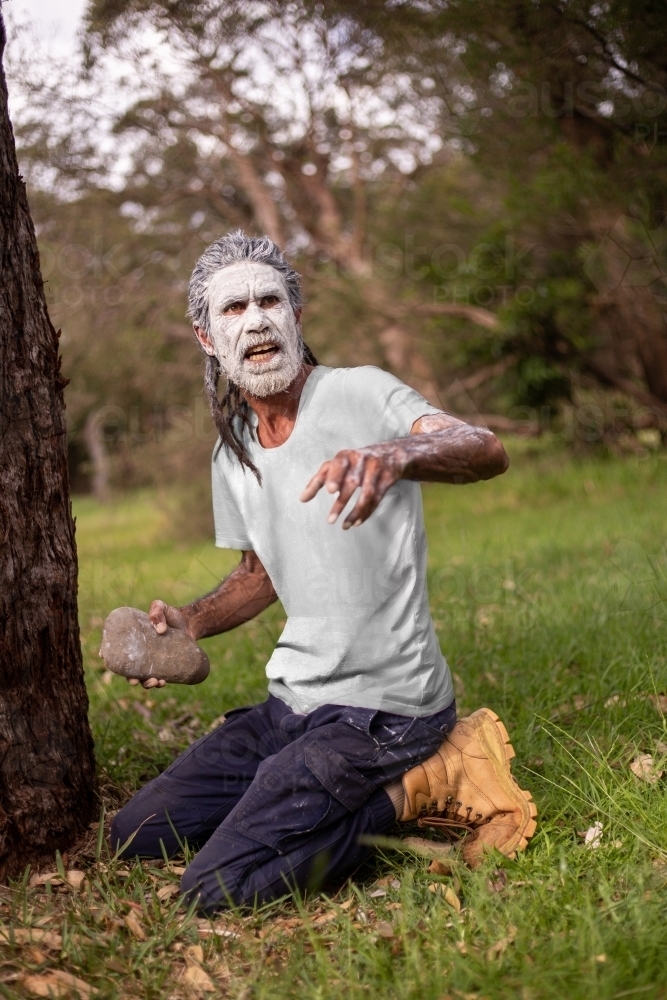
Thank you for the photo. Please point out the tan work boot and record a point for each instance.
(467, 784)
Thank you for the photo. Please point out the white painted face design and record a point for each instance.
(254, 331)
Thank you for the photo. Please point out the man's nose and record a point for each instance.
(254, 320)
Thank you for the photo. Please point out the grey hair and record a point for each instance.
(230, 249)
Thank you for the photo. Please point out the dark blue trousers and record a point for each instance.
(275, 801)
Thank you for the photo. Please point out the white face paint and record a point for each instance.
(254, 331)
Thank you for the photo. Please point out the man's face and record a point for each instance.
(254, 331)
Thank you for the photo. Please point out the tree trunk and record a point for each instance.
(47, 774)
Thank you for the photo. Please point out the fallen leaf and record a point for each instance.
(194, 953)
(325, 918)
(461, 947)
(593, 835)
(164, 735)
(394, 906)
(377, 894)
(439, 868)
(57, 984)
(33, 935)
(452, 899)
(177, 870)
(107, 677)
(429, 848)
(643, 767)
(75, 879)
(347, 904)
(385, 930)
(37, 956)
(167, 891)
(44, 877)
(131, 921)
(600, 958)
(195, 976)
(660, 702)
(501, 946)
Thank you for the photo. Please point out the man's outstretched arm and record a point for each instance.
(440, 449)
(241, 596)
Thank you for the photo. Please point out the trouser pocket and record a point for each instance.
(298, 791)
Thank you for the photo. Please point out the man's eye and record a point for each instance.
(269, 300)
(234, 308)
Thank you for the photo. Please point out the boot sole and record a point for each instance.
(496, 741)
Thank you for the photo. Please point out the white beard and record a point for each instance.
(264, 378)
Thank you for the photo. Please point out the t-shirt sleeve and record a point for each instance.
(230, 529)
(386, 403)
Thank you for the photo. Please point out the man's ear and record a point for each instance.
(204, 339)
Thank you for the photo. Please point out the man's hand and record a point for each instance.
(440, 449)
(372, 470)
(163, 615)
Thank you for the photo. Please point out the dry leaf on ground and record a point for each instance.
(75, 879)
(385, 929)
(194, 953)
(500, 946)
(57, 984)
(44, 877)
(195, 976)
(440, 868)
(593, 835)
(452, 899)
(133, 924)
(429, 848)
(660, 702)
(32, 935)
(643, 767)
(167, 891)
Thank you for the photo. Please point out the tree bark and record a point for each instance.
(47, 774)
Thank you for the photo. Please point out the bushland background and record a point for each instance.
(475, 197)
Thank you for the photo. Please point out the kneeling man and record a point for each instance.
(360, 728)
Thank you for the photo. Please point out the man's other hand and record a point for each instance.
(371, 470)
(161, 615)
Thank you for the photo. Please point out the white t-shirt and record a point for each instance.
(359, 631)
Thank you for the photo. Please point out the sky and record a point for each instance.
(56, 21)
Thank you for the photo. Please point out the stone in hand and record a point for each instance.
(132, 648)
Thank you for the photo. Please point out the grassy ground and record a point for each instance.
(548, 588)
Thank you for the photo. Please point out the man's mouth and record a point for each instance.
(261, 352)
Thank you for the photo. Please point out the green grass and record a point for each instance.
(548, 588)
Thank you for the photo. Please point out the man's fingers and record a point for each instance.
(349, 485)
(330, 474)
(315, 484)
(133, 681)
(369, 497)
(153, 682)
(158, 616)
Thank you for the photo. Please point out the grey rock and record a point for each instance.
(132, 648)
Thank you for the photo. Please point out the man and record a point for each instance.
(360, 729)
